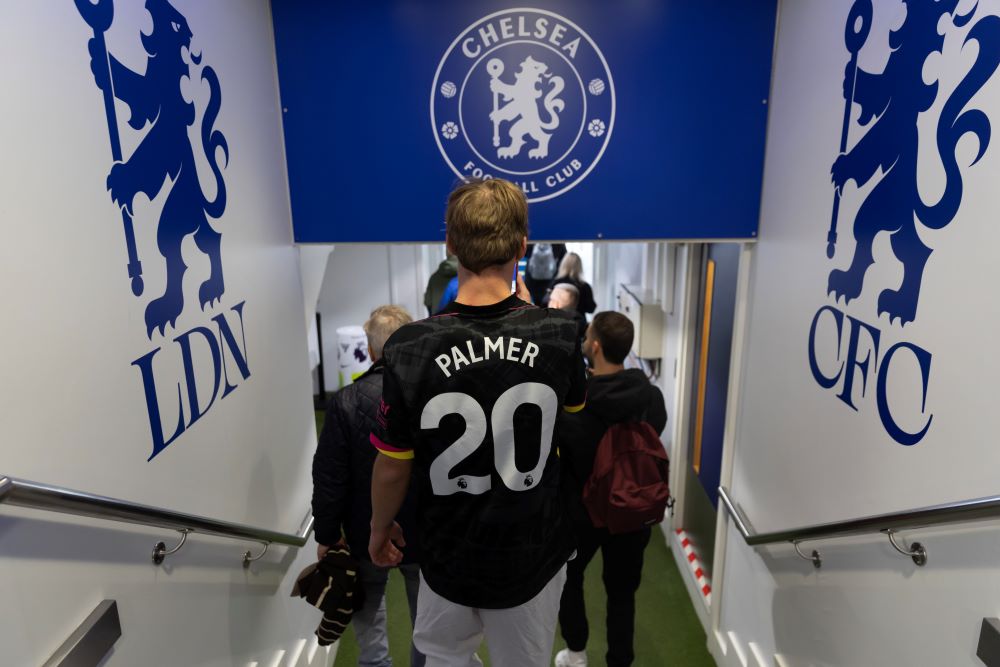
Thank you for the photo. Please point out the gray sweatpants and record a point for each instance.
(449, 634)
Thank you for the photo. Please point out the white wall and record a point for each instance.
(74, 412)
(313, 260)
(801, 455)
(360, 277)
(660, 268)
(616, 264)
(668, 271)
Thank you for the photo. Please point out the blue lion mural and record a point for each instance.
(165, 157)
(894, 99)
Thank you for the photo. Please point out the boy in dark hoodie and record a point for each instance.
(613, 395)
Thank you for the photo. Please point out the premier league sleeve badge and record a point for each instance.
(525, 95)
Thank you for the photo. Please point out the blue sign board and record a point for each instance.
(619, 120)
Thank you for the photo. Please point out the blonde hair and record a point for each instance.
(381, 324)
(571, 266)
(487, 221)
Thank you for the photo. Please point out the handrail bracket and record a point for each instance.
(816, 558)
(916, 551)
(23, 493)
(248, 556)
(160, 551)
(986, 508)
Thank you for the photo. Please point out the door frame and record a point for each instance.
(717, 642)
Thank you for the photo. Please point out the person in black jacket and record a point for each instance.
(566, 296)
(342, 476)
(571, 273)
(438, 284)
(538, 277)
(614, 395)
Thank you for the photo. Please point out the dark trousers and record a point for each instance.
(623, 556)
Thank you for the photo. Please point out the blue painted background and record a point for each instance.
(685, 159)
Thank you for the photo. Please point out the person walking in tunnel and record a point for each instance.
(439, 284)
(571, 273)
(469, 403)
(342, 476)
(541, 265)
(614, 395)
(566, 296)
(449, 294)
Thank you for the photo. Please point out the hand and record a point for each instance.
(522, 290)
(382, 547)
(321, 549)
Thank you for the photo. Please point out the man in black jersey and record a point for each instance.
(469, 403)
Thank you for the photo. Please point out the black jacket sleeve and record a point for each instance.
(331, 477)
(656, 413)
(587, 304)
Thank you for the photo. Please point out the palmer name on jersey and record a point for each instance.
(507, 349)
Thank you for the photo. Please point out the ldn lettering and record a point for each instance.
(222, 344)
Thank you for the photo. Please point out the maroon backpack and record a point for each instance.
(628, 488)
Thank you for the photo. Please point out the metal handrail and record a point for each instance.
(977, 509)
(34, 495)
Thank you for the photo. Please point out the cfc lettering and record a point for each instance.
(847, 352)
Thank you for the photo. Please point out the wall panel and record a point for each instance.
(76, 402)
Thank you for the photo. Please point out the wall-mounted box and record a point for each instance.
(647, 319)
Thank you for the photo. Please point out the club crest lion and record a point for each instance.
(891, 103)
(164, 157)
(522, 107)
(858, 360)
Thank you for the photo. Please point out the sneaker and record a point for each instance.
(567, 658)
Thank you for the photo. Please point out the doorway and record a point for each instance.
(709, 391)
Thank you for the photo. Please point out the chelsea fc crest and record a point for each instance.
(526, 95)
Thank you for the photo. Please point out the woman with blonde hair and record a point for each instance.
(571, 272)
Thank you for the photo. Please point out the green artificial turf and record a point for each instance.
(667, 630)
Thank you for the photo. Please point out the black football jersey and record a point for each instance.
(472, 395)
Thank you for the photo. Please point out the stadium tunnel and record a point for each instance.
(790, 200)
